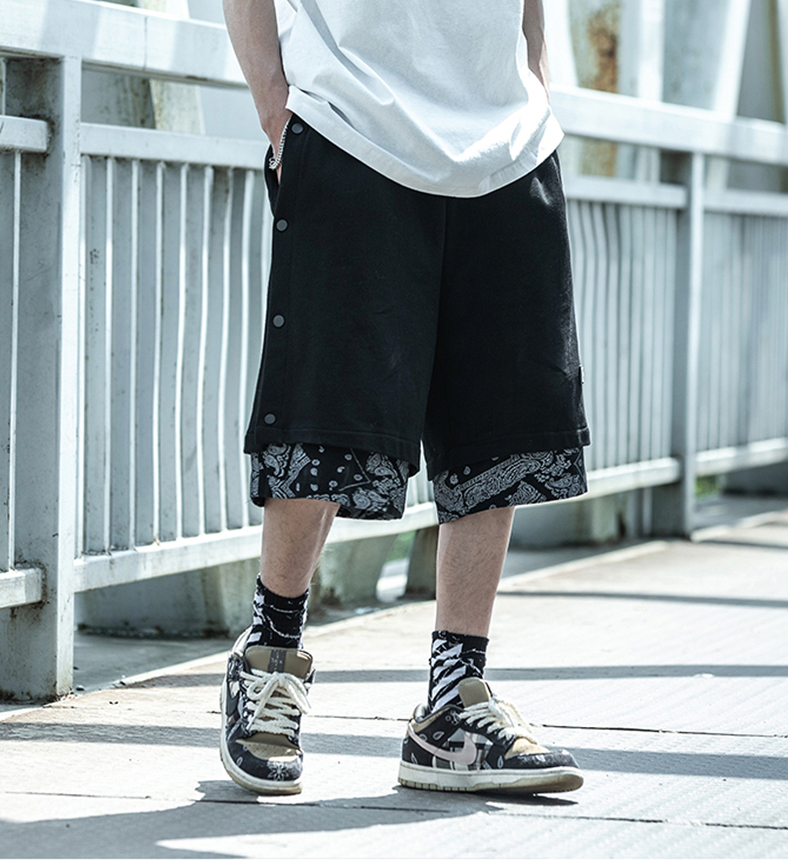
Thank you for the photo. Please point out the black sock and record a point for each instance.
(455, 656)
(277, 621)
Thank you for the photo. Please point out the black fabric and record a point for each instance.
(395, 316)
(277, 621)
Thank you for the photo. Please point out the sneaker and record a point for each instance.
(263, 697)
(482, 746)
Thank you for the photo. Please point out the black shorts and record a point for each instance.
(396, 317)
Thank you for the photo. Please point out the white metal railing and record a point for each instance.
(132, 280)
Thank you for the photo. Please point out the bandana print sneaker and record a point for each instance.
(483, 746)
(263, 697)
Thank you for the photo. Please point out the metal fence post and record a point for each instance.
(36, 641)
(673, 504)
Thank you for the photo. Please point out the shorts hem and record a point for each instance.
(257, 441)
(344, 512)
(503, 447)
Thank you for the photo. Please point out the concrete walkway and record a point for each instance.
(662, 667)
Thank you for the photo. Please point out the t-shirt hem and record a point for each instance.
(543, 142)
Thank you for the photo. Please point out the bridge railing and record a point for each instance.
(132, 294)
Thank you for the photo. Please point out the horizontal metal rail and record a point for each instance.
(148, 145)
(27, 135)
(117, 38)
(746, 203)
(21, 587)
(750, 456)
(623, 119)
(601, 189)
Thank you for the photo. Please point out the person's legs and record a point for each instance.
(294, 531)
(265, 688)
(302, 488)
(467, 739)
(471, 553)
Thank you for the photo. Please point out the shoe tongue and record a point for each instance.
(473, 691)
(289, 660)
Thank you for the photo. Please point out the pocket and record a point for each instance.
(296, 129)
(271, 180)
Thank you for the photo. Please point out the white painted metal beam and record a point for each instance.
(164, 559)
(146, 144)
(674, 505)
(747, 203)
(120, 38)
(21, 587)
(624, 119)
(28, 135)
(633, 476)
(602, 189)
(41, 636)
(749, 456)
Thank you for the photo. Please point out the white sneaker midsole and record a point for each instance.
(549, 779)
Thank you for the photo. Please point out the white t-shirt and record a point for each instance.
(435, 94)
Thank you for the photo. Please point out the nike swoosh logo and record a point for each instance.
(230, 703)
(467, 755)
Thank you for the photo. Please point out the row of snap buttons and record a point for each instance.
(281, 225)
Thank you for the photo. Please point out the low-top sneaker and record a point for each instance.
(483, 745)
(263, 697)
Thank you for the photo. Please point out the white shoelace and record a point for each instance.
(275, 701)
(500, 715)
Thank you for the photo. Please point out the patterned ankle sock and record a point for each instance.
(277, 620)
(455, 656)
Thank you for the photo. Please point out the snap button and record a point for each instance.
(270, 418)
(296, 128)
(278, 320)
(281, 225)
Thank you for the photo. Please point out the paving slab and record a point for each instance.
(663, 669)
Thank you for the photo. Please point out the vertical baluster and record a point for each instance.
(148, 351)
(191, 375)
(781, 391)
(666, 410)
(626, 376)
(637, 311)
(236, 407)
(610, 330)
(713, 263)
(171, 373)
(98, 354)
(10, 191)
(124, 327)
(37, 641)
(763, 358)
(599, 394)
(233, 429)
(673, 510)
(205, 207)
(771, 282)
(660, 323)
(216, 352)
(647, 352)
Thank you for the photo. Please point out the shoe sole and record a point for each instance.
(261, 786)
(525, 782)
